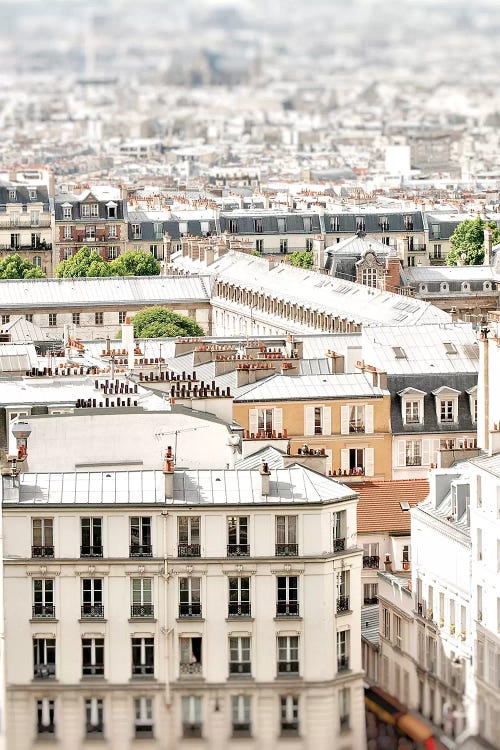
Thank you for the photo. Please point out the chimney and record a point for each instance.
(488, 246)
(388, 564)
(392, 274)
(336, 362)
(128, 340)
(264, 475)
(168, 473)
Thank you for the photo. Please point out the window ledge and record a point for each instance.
(141, 619)
(343, 612)
(39, 620)
(280, 618)
(240, 618)
(288, 676)
(44, 681)
(145, 677)
(92, 619)
(245, 677)
(90, 677)
(190, 619)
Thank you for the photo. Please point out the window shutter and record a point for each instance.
(344, 459)
(401, 453)
(309, 420)
(436, 445)
(344, 420)
(253, 421)
(369, 419)
(327, 420)
(369, 462)
(278, 420)
(426, 453)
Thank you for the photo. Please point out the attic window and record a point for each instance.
(450, 348)
(405, 505)
(399, 352)
(281, 224)
(12, 195)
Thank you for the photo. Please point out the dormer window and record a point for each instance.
(281, 224)
(67, 211)
(32, 194)
(408, 222)
(473, 403)
(412, 412)
(446, 410)
(446, 404)
(111, 208)
(384, 223)
(335, 223)
(307, 224)
(233, 226)
(89, 209)
(369, 277)
(12, 194)
(360, 224)
(258, 226)
(412, 406)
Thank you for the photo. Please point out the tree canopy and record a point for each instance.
(467, 242)
(160, 322)
(88, 262)
(302, 259)
(15, 267)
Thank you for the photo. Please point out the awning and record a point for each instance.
(414, 728)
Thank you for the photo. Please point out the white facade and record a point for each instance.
(194, 608)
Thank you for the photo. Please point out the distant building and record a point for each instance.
(25, 223)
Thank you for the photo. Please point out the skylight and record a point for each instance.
(450, 348)
(399, 352)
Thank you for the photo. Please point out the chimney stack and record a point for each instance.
(168, 473)
(264, 475)
(488, 246)
(128, 341)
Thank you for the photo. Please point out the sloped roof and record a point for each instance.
(379, 508)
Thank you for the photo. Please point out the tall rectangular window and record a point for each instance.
(143, 657)
(44, 658)
(413, 453)
(43, 598)
(191, 656)
(92, 604)
(342, 650)
(239, 655)
(344, 708)
(339, 530)
(237, 536)
(398, 632)
(286, 536)
(140, 536)
(142, 598)
(190, 597)
(289, 715)
(370, 593)
(91, 535)
(386, 614)
(241, 718)
(239, 597)
(318, 420)
(143, 717)
(356, 418)
(76, 319)
(287, 604)
(42, 537)
(283, 246)
(94, 717)
(45, 710)
(188, 528)
(52, 319)
(343, 591)
(191, 716)
(99, 318)
(446, 410)
(288, 655)
(93, 657)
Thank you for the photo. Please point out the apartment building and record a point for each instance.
(96, 217)
(25, 223)
(272, 232)
(155, 231)
(189, 608)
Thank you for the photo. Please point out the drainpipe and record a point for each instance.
(165, 629)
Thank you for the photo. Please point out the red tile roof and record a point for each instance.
(379, 507)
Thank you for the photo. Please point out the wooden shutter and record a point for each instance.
(344, 420)
(369, 462)
(327, 420)
(278, 420)
(436, 445)
(401, 453)
(253, 417)
(309, 420)
(426, 452)
(369, 419)
(344, 459)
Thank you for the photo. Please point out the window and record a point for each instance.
(233, 226)
(288, 655)
(44, 658)
(360, 224)
(67, 212)
(158, 230)
(342, 650)
(287, 604)
(35, 236)
(344, 708)
(339, 530)
(408, 222)
(241, 715)
(431, 654)
(43, 598)
(317, 420)
(67, 252)
(259, 246)
(94, 209)
(413, 453)
(386, 623)
(370, 593)
(153, 249)
(189, 597)
(190, 656)
(357, 460)
(446, 412)
(371, 558)
(76, 319)
(12, 195)
(437, 251)
(111, 211)
(237, 536)
(67, 233)
(90, 232)
(239, 597)
(142, 598)
(281, 224)
(398, 632)
(45, 711)
(5, 319)
(412, 412)
(113, 252)
(356, 419)
(143, 657)
(143, 713)
(112, 231)
(258, 226)
(99, 318)
(84, 210)
(266, 419)
(479, 550)
(239, 655)
(191, 716)
(93, 657)
(94, 717)
(335, 223)
(383, 223)
(289, 714)
(140, 536)
(286, 536)
(92, 606)
(309, 244)
(343, 591)
(52, 319)
(122, 316)
(188, 529)
(91, 530)
(479, 591)
(283, 246)
(43, 538)
(307, 224)
(369, 277)
(29, 318)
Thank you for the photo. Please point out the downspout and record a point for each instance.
(165, 629)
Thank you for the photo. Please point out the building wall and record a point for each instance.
(431, 445)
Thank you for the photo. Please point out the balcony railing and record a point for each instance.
(370, 600)
(239, 609)
(343, 604)
(190, 669)
(413, 461)
(191, 730)
(242, 729)
(24, 222)
(289, 728)
(371, 561)
(45, 728)
(92, 611)
(240, 667)
(287, 609)
(91, 550)
(41, 611)
(44, 671)
(353, 427)
(288, 667)
(338, 545)
(93, 670)
(238, 550)
(143, 670)
(343, 663)
(190, 610)
(42, 550)
(287, 550)
(94, 730)
(138, 611)
(188, 550)
(141, 550)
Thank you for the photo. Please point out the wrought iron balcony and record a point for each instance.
(44, 671)
(190, 610)
(338, 545)
(289, 728)
(239, 609)
(41, 611)
(46, 728)
(240, 667)
(370, 600)
(141, 550)
(287, 550)
(94, 730)
(343, 663)
(287, 609)
(91, 550)
(413, 461)
(143, 670)
(288, 667)
(93, 670)
(238, 550)
(343, 604)
(242, 729)
(92, 611)
(138, 611)
(353, 427)
(194, 670)
(42, 550)
(188, 550)
(371, 561)
(191, 730)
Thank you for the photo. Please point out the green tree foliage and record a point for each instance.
(87, 262)
(467, 242)
(159, 322)
(15, 267)
(303, 259)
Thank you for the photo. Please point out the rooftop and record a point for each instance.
(379, 506)
(314, 387)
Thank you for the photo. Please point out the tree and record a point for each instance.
(15, 267)
(85, 262)
(158, 322)
(135, 263)
(303, 259)
(467, 242)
